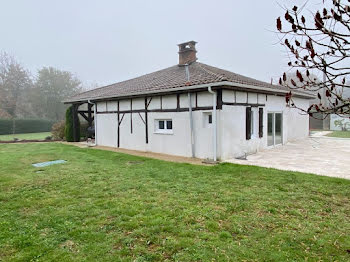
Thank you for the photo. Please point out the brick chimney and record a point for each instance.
(187, 53)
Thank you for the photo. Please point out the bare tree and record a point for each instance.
(319, 44)
(51, 87)
(14, 84)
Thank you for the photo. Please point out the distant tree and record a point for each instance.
(319, 46)
(51, 87)
(15, 83)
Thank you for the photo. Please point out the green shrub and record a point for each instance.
(23, 126)
(69, 131)
(58, 130)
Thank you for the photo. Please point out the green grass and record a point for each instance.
(106, 206)
(28, 136)
(342, 134)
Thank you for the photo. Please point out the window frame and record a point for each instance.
(252, 123)
(165, 130)
(206, 115)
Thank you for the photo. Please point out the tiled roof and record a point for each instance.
(168, 79)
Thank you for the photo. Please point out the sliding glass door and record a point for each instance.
(274, 129)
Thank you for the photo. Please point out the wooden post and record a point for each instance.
(118, 141)
(219, 99)
(178, 102)
(131, 115)
(146, 120)
(90, 115)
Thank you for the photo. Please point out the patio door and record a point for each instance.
(274, 129)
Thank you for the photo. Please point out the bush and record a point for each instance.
(58, 130)
(25, 126)
(69, 131)
(4, 114)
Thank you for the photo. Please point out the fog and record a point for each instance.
(103, 42)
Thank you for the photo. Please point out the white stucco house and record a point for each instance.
(193, 110)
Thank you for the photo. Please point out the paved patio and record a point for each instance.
(317, 154)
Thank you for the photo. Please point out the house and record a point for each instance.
(329, 121)
(193, 110)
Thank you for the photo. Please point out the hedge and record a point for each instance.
(23, 126)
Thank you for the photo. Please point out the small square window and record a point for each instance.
(161, 124)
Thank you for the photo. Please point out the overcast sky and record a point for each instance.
(108, 41)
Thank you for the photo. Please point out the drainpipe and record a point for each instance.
(95, 121)
(191, 124)
(190, 111)
(214, 123)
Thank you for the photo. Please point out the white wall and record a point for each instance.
(295, 122)
(231, 125)
(107, 130)
(233, 118)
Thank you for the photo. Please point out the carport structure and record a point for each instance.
(88, 115)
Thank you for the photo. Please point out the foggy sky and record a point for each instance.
(108, 41)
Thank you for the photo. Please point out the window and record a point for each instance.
(210, 119)
(261, 122)
(207, 119)
(248, 123)
(252, 123)
(164, 126)
(161, 124)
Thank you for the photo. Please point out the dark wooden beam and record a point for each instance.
(90, 118)
(178, 102)
(149, 102)
(118, 137)
(146, 119)
(121, 120)
(142, 118)
(84, 116)
(242, 104)
(161, 110)
(219, 99)
(131, 116)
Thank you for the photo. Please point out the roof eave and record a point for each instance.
(195, 87)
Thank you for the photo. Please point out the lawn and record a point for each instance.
(342, 134)
(107, 206)
(28, 136)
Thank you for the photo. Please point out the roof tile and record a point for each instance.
(170, 78)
